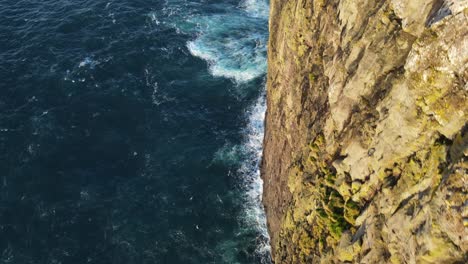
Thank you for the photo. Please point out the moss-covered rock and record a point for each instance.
(366, 144)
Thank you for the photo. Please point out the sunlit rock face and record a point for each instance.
(365, 144)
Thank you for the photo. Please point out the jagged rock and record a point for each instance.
(366, 138)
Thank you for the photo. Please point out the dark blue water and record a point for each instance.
(130, 131)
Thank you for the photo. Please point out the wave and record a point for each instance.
(221, 66)
(232, 40)
(250, 172)
(234, 44)
(257, 8)
(247, 157)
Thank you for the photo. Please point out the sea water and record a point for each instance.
(131, 131)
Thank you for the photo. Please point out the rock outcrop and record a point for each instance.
(366, 143)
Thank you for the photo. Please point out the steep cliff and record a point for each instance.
(366, 144)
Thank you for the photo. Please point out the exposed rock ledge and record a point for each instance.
(365, 156)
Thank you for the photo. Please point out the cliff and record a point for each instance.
(365, 151)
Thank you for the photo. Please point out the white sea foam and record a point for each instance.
(87, 61)
(234, 44)
(257, 8)
(154, 19)
(228, 67)
(248, 156)
(235, 47)
(250, 172)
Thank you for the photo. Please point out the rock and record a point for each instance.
(366, 126)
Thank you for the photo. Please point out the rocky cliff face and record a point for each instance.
(365, 156)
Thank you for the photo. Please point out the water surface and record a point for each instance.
(131, 131)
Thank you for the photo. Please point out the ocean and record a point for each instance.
(131, 131)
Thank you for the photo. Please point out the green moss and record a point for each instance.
(301, 50)
(355, 187)
(311, 77)
(330, 178)
(317, 202)
(336, 229)
(351, 212)
(321, 213)
(306, 243)
(335, 198)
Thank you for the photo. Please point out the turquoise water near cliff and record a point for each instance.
(131, 131)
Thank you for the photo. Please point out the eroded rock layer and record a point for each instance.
(366, 144)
